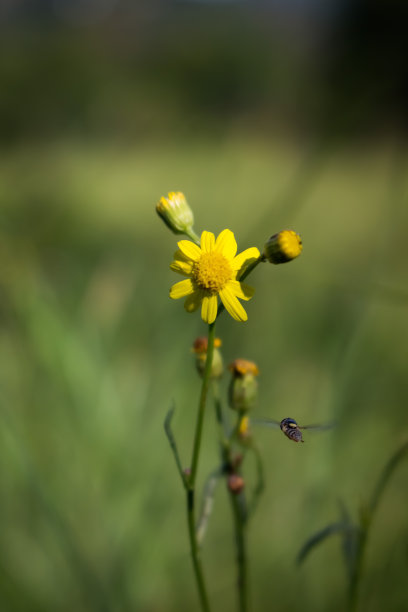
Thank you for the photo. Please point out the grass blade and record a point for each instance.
(319, 537)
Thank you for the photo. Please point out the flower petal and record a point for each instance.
(241, 290)
(193, 301)
(207, 242)
(189, 249)
(179, 255)
(209, 308)
(231, 303)
(181, 289)
(226, 244)
(182, 266)
(244, 259)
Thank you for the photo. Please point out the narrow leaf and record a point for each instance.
(385, 476)
(350, 539)
(173, 444)
(319, 537)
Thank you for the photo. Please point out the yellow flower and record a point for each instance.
(212, 271)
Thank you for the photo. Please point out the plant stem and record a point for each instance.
(193, 236)
(260, 485)
(239, 525)
(358, 567)
(201, 405)
(195, 551)
(190, 488)
(239, 510)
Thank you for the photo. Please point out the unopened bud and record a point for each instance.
(243, 389)
(200, 347)
(235, 483)
(175, 212)
(283, 247)
(243, 428)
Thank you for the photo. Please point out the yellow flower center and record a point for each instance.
(212, 271)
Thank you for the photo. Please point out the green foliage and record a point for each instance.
(92, 352)
(355, 536)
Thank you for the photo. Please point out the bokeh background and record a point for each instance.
(267, 115)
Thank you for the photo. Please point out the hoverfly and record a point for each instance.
(290, 427)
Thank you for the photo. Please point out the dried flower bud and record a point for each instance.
(243, 389)
(235, 483)
(175, 212)
(200, 347)
(283, 247)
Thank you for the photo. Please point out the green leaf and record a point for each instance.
(385, 476)
(319, 537)
(173, 444)
(350, 539)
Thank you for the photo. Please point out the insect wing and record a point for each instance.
(318, 427)
(266, 422)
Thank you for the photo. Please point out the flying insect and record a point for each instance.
(290, 427)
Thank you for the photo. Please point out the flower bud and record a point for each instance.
(175, 212)
(235, 483)
(243, 389)
(244, 432)
(283, 247)
(200, 347)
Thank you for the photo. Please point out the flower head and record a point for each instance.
(212, 270)
(283, 247)
(175, 212)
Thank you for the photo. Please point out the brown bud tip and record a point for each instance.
(240, 367)
(235, 483)
(200, 344)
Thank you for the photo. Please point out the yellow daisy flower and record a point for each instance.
(212, 271)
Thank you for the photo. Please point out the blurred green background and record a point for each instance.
(267, 116)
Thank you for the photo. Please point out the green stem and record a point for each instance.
(239, 511)
(239, 525)
(201, 406)
(195, 551)
(358, 567)
(260, 484)
(193, 236)
(191, 507)
(222, 422)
